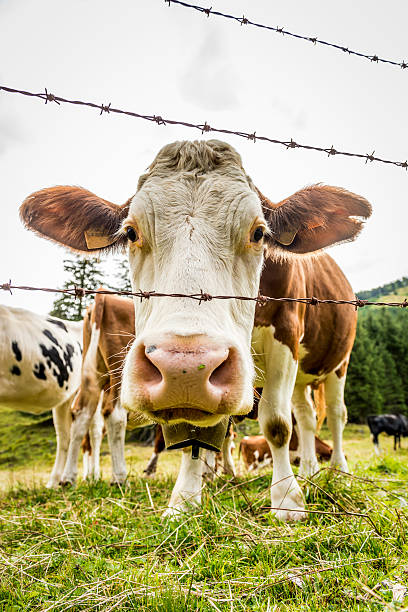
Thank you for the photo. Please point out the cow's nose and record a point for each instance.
(173, 374)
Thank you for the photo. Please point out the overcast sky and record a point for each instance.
(142, 55)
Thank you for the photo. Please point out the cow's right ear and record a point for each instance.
(75, 218)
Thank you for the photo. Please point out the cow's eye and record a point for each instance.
(257, 234)
(131, 233)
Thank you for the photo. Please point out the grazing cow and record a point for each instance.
(392, 424)
(108, 325)
(323, 450)
(197, 223)
(40, 370)
(256, 453)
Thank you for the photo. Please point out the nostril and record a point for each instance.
(223, 375)
(148, 372)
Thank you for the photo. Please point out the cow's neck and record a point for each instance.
(280, 278)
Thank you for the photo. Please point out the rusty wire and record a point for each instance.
(261, 300)
(279, 30)
(202, 127)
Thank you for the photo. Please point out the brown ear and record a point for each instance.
(74, 217)
(316, 217)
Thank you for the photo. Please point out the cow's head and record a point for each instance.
(196, 223)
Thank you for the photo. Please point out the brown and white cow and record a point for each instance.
(197, 223)
(108, 325)
(256, 453)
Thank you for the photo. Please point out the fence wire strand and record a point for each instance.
(261, 300)
(202, 127)
(279, 30)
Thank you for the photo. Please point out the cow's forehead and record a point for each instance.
(211, 198)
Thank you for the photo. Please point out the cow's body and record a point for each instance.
(40, 370)
(296, 346)
(392, 424)
(108, 326)
(198, 223)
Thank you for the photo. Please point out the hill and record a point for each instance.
(390, 291)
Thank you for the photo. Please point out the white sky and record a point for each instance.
(142, 55)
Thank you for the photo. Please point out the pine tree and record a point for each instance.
(122, 277)
(84, 273)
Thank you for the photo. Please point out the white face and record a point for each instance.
(190, 361)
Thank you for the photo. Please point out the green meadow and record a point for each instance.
(97, 547)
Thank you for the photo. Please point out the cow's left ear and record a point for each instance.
(316, 217)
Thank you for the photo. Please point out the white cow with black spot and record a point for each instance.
(40, 370)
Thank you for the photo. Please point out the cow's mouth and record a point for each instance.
(185, 414)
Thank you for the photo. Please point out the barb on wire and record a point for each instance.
(261, 300)
(313, 39)
(204, 127)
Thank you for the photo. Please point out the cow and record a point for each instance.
(107, 332)
(256, 453)
(40, 370)
(392, 424)
(198, 225)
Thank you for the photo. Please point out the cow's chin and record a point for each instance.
(193, 414)
(173, 415)
(186, 414)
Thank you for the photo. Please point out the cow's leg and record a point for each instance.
(159, 446)
(227, 460)
(209, 459)
(83, 409)
(187, 490)
(116, 427)
(96, 435)
(86, 456)
(224, 458)
(62, 423)
(275, 420)
(86, 465)
(376, 444)
(79, 427)
(305, 415)
(336, 417)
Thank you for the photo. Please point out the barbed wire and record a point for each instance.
(261, 300)
(312, 39)
(202, 127)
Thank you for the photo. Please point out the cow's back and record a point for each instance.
(40, 360)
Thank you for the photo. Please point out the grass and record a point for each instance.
(101, 548)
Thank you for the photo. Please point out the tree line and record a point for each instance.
(377, 379)
(387, 289)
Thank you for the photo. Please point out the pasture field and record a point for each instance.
(96, 547)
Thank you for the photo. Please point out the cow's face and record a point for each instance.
(195, 224)
(189, 231)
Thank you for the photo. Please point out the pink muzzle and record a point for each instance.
(186, 373)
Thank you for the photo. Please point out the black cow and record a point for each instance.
(392, 424)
